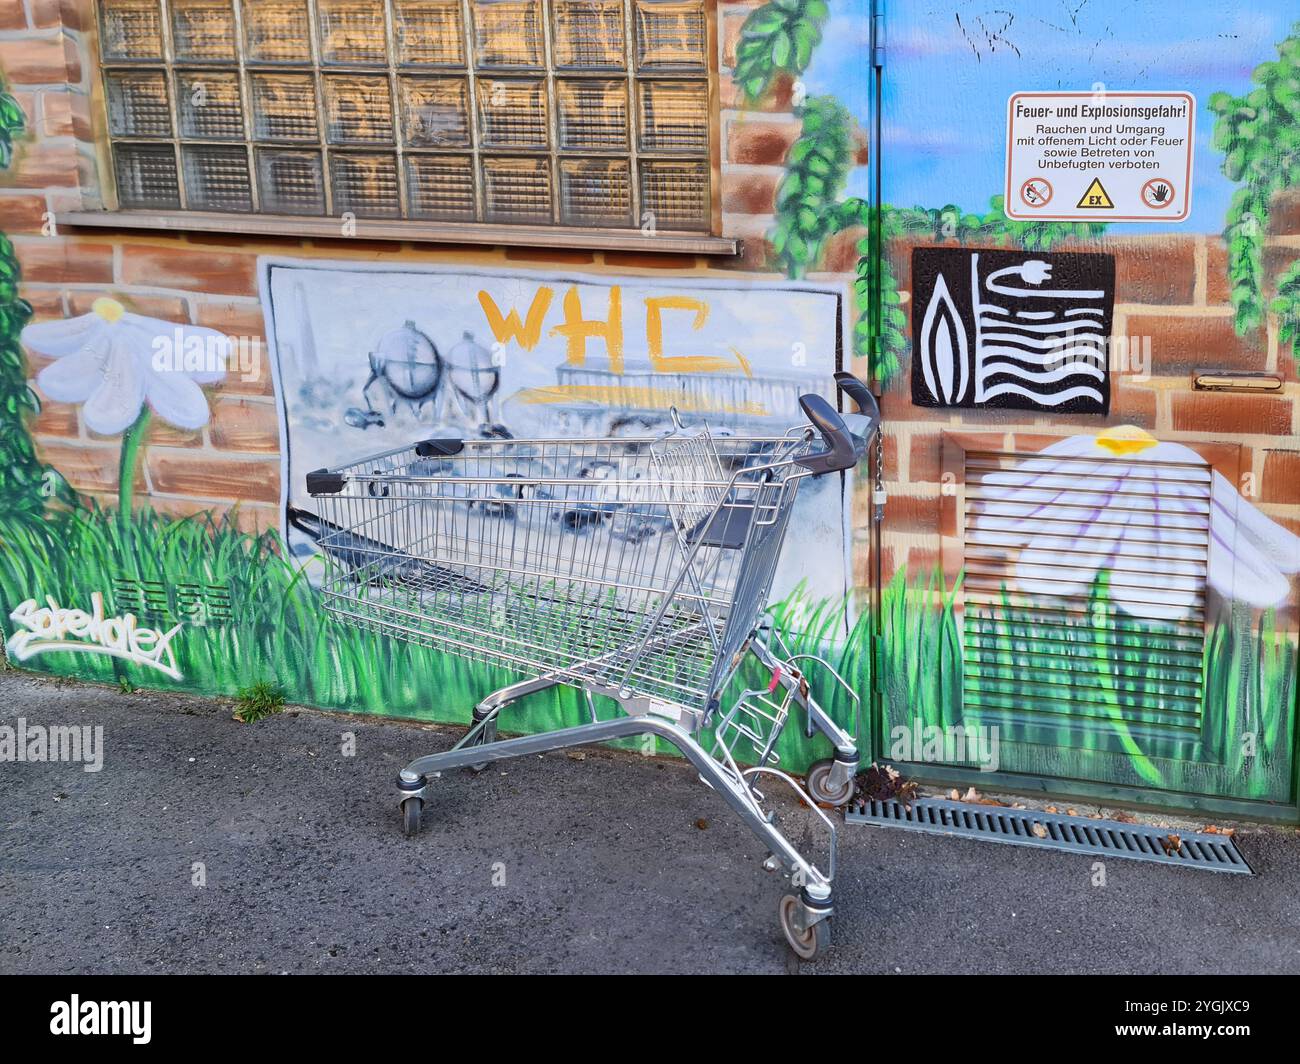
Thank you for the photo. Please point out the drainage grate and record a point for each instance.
(1073, 834)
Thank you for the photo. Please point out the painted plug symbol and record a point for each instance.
(1035, 271)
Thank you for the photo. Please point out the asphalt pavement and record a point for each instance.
(204, 845)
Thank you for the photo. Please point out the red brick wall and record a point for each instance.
(211, 280)
(1172, 288)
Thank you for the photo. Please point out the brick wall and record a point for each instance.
(211, 280)
(1172, 288)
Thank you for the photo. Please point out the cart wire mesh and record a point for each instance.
(636, 564)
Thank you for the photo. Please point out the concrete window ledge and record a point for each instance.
(407, 231)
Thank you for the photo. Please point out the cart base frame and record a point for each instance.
(679, 727)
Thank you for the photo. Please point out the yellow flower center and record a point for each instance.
(108, 309)
(1125, 440)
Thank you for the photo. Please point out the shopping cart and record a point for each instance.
(636, 570)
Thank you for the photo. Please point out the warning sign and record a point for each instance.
(1096, 198)
(1100, 156)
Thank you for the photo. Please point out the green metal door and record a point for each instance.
(1088, 554)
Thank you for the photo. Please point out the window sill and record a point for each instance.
(406, 231)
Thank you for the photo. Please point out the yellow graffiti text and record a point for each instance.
(508, 327)
(634, 397)
(577, 330)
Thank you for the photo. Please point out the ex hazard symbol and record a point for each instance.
(1096, 197)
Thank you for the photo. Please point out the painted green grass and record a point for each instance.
(1141, 681)
(278, 634)
(1142, 677)
(921, 650)
(277, 631)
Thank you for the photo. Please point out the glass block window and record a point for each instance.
(590, 113)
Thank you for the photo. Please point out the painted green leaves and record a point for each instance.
(817, 167)
(11, 125)
(1259, 135)
(23, 480)
(777, 38)
(1286, 306)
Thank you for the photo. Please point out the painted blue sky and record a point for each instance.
(951, 67)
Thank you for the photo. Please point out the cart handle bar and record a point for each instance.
(328, 482)
(844, 448)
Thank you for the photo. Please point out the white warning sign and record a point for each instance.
(1100, 156)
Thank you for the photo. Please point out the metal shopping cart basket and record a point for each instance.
(633, 569)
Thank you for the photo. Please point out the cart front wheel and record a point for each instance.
(820, 789)
(412, 808)
(810, 942)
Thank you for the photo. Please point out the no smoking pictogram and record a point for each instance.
(1036, 192)
(1158, 193)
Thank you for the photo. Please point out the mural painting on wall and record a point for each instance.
(117, 591)
(1012, 330)
(63, 550)
(1117, 603)
(526, 356)
(123, 370)
(1130, 591)
(1193, 523)
(1218, 715)
(569, 356)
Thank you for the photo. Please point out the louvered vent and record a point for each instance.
(1084, 599)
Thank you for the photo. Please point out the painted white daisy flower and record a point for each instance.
(113, 362)
(1151, 514)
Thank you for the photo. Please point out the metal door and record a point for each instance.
(1098, 596)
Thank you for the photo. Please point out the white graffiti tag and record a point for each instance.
(51, 627)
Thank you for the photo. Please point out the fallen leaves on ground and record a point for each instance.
(880, 783)
(976, 798)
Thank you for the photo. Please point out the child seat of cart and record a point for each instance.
(727, 528)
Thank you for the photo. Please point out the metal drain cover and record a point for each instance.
(1056, 831)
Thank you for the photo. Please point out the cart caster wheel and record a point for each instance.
(412, 808)
(819, 789)
(809, 943)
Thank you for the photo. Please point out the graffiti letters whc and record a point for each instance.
(43, 629)
(1070, 511)
(1012, 329)
(446, 351)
